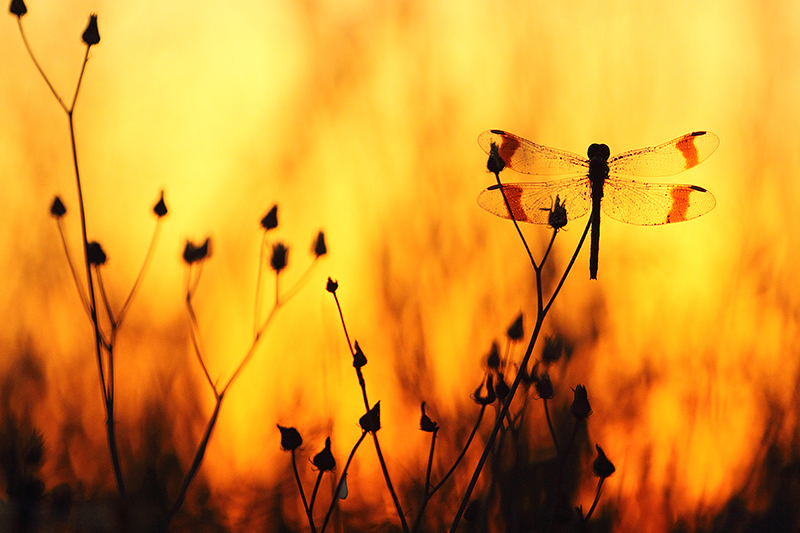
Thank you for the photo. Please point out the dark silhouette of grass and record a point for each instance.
(106, 321)
(527, 486)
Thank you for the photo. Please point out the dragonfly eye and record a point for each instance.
(598, 151)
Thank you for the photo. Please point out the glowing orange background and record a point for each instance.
(360, 118)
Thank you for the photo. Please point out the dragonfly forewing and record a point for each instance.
(522, 155)
(672, 157)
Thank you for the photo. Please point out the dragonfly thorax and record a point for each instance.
(598, 167)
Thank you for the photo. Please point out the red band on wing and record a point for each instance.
(689, 150)
(514, 196)
(680, 204)
(507, 149)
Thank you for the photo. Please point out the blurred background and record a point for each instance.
(360, 118)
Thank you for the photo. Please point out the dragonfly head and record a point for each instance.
(598, 152)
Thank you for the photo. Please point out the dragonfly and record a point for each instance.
(596, 181)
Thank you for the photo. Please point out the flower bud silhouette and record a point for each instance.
(516, 331)
(493, 361)
(425, 423)
(91, 35)
(270, 220)
(580, 405)
(359, 359)
(319, 245)
(501, 389)
(544, 387)
(279, 257)
(96, 254)
(332, 286)
(290, 438)
(495, 163)
(160, 209)
(324, 460)
(602, 467)
(18, 8)
(557, 218)
(490, 394)
(57, 209)
(193, 253)
(372, 420)
(553, 347)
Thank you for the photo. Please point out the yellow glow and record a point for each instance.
(360, 119)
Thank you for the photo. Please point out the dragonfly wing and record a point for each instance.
(522, 155)
(651, 204)
(532, 202)
(666, 159)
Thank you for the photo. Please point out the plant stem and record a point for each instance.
(514, 220)
(596, 499)
(463, 451)
(427, 495)
(39, 68)
(108, 402)
(389, 484)
(75, 278)
(363, 386)
(314, 492)
(198, 459)
(550, 425)
(341, 480)
(140, 276)
(541, 313)
(498, 423)
(302, 494)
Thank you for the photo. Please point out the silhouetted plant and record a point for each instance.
(498, 387)
(94, 256)
(106, 321)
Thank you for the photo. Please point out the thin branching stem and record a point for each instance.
(596, 499)
(427, 495)
(110, 428)
(389, 486)
(569, 267)
(140, 276)
(463, 451)
(257, 306)
(562, 459)
(104, 297)
(80, 79)
(301, 281)
(302, 493)
(344, 326)
(342, 480)
(253, 346)
(550, 425)
(195, 334)
(363, 385)
(549, 247)
(430, 460)
(39, 68)
(541, 313)
(277, 289)
(314, 492)
(516, 225)
(198, 459)
(73, 271)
